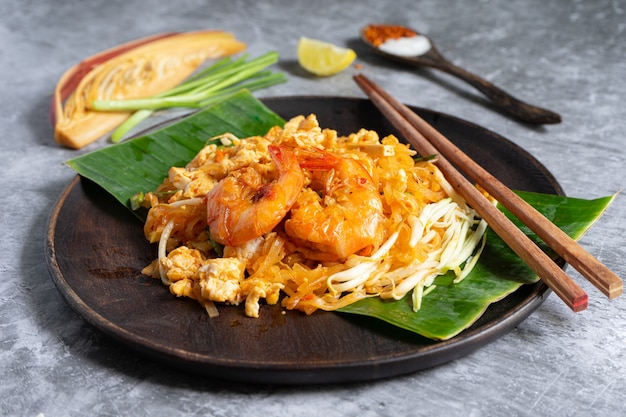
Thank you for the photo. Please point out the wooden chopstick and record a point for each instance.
(566, 247)
(574, 296)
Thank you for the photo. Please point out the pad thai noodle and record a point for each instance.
(310, 219)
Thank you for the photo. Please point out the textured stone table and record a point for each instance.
(566, 56)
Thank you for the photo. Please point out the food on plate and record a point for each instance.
(309, 218)
(323, 58)
(141, 70)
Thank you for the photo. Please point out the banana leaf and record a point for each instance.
(140, 165)
(451, 308)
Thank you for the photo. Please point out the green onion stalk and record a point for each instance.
(218, 81)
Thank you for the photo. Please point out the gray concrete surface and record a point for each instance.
(569, 56)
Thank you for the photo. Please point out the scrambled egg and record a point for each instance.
(216, 279)
(220, 280)
(212, 164)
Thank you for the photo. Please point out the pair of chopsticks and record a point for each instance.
(428, 141)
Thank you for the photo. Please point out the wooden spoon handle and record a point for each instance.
(523, 111)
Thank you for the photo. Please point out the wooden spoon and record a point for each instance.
(417, 49)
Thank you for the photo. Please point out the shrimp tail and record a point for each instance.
(316, 159)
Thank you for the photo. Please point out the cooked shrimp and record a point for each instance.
(244, 205)
(346, 218)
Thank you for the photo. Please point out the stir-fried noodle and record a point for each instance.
(310, 219)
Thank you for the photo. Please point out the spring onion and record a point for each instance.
(220, 80)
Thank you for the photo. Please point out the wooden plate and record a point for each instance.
(95, 251)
